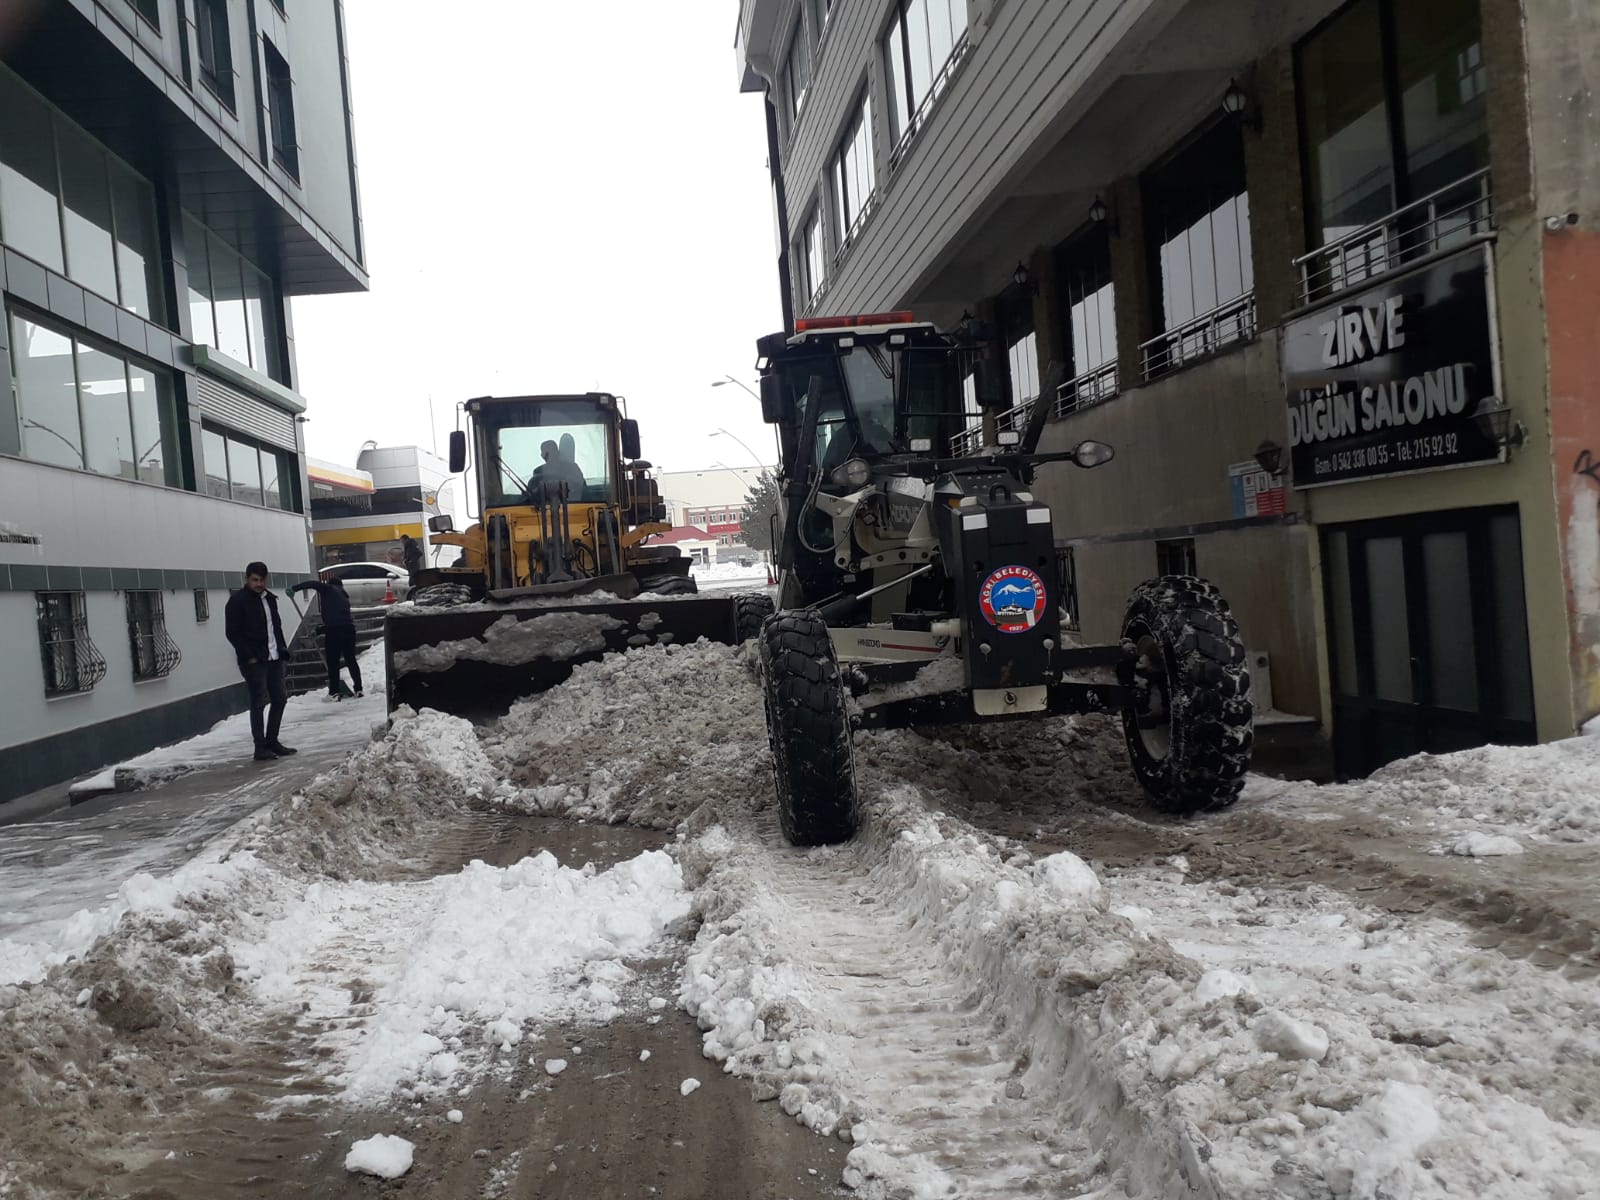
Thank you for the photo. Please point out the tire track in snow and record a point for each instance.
(846, 983)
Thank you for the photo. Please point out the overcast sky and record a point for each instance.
(556, 198)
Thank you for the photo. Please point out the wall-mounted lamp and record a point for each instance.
(1269, 457)
(1023, 278)
(1493, 418)
(1101, 215)
(1237, 104)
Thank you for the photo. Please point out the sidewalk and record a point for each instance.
(61, 867)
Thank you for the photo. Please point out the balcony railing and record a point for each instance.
(1094, 386)
(1208, 334)
(942, 80)
(1450, 217)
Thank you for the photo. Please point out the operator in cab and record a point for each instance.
(557, 468)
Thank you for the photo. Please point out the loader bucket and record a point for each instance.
(478, 659)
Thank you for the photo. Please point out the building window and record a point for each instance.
(1394, 108)
(150, 10)
(155, 655)
(214, 49)
(85, 407)
(811, 273)
(68, 203)
(71, 662)
(853, 172)
(1067, 588)
(1088, 297)
(280, 106)
(918, 51)
(1199, 220)
(796, 71)
(238, 468)
(202, 606)
(1176, 557)
(233, 306)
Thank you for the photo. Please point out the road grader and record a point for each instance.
(918, 586)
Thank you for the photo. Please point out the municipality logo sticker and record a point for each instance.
(1012, 599)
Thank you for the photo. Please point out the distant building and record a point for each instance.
(170, 174)
(713, 500)
(696, 543)
(359, 514)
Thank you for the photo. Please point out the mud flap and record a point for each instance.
(477, 661)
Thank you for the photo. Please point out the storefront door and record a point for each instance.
(1428, 636)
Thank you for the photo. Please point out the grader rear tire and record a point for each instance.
(809, 731)
(1191, 733)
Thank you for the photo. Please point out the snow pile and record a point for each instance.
(468, 959)
(512, 642)
(1333, 1052)
(1542, 793)
(647, 737)
(385, 1155)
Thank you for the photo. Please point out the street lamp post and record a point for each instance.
(737, 438)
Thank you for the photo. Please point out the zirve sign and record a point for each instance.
(1012, 599)
(1389, 378)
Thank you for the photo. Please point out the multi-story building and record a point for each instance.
(1323, 272)
(359, 514)
(723, 522)
(171, 172)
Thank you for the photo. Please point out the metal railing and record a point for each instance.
(1094, 386)
(1450, 217)
(1205, 335)
(919, 118)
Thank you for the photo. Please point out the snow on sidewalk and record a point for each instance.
(311, 722)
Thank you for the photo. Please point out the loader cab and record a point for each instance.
(523, 442)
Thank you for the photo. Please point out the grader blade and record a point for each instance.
(479, 659)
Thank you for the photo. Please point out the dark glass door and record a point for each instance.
(1428, 636)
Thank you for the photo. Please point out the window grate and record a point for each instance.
(202, 606)
(1175, 556)
(155, 655)
(71, 662)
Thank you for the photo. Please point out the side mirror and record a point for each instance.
(772, 398)
(630, 438)
(1092, 454)
(443, 523)
(458, 451)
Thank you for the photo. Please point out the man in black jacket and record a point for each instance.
(338, 630)
(257, 636)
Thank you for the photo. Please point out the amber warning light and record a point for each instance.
(814, 324)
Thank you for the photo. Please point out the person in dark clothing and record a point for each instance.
(253, 627)
(338, 631)
(411, 556)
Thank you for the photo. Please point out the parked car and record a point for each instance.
(367, 583)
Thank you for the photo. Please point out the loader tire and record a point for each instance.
(750, 613)
(1190, 733)
(809, 731)
(669, 585)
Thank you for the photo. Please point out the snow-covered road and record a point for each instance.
(1018, 981)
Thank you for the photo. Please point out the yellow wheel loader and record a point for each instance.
(555, 571)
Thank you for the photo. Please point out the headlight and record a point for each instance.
(853, 474)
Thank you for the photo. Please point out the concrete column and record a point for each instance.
(1049, 317)
(1272, 165)
(1131, 273)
